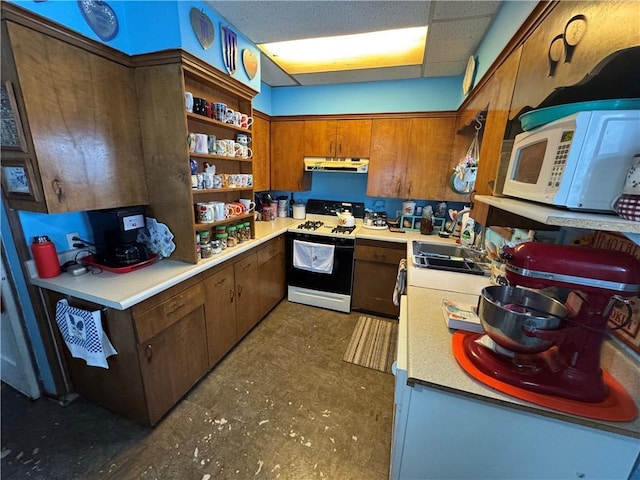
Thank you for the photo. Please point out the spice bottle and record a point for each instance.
(426, 223)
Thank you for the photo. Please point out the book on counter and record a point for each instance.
(461, 316)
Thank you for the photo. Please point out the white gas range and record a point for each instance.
(320, 255)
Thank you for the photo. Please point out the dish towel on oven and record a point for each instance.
(83, 334)
(314, 257)
(401, 282)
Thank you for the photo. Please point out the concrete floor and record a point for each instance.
(282, 405)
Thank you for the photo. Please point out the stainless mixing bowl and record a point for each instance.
(506, 312)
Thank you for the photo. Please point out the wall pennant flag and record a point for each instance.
(250, 63)
(229, 49)
(202, 27)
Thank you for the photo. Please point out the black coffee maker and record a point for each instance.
(115, 233)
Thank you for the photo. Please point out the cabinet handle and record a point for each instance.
(171, 312)
(339, 148)
(375, 255)
(231, 295)
(331, 146)
(239, 290)
(247, 266)
(220, 282)
(148, 351)
(57, 188)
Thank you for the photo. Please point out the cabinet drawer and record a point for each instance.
(168, 312)
(271, 249)
(381, 252)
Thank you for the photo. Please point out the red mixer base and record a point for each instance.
(618, 406)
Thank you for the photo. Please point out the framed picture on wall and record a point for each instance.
(17, 179)
(11, 133)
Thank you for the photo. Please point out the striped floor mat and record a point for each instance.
(373, 344)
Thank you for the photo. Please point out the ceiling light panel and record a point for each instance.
(388, 48)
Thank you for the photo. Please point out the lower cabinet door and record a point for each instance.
(273, 283)
(373, 286)
(220, 295)
(173, 361)
(247, 294)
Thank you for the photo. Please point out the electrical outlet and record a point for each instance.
(70, 242)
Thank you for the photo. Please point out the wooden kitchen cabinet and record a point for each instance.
(247, 287)
(337, 138)
(75, 103)
(220, 294)
(409, 157)
(375, 273)
(573, 43)
(175, 357)
(161, 81)
(272, 273)
(287, 153)
(261, 146)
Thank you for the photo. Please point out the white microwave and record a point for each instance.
(578, 162)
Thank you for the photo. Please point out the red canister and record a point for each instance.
(45, 256)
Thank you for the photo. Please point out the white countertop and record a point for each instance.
(121, 291)
(430, 361)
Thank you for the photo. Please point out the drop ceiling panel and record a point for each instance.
(273, 75)
(444, 69)
(455, 41)
(457, 10)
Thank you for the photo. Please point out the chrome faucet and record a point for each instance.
(458, 219)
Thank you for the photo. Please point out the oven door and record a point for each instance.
(339, 280)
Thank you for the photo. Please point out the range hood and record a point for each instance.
(329, 164)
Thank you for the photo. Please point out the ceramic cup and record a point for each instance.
(194, 181)
(233, 209)
(236, 118)
(191, 142)
(217, 181)
(219, 212)
(243, 138)
(208, 180)
(248, 204)
(211, 143)
(245, 121)
(199, 106)
(219, 111)
(202, 143)
(188, 101)
(205, 213)
(229, 115)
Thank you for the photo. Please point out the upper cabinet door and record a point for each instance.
(353, 138)
(261, 154)
(388, 159)
(320, 138)
(337, 138)
(570, 44)
(287, 153)
(429, 153)
(83, 118)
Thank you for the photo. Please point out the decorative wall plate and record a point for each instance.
(100, 17)
(229, 48)
(250, 63)
(469, 73)
(202, 27)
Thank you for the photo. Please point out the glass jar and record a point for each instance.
(205, 236)
(241, 234)
(221, 229)
(222, 238)
(198, 252)
(215, 246)
(206, 250)
(247, 230)
(232, 239)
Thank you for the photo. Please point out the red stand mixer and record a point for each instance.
(563, 358)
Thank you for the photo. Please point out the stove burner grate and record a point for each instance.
(310, 225)
(343, 229)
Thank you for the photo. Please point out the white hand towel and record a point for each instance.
(82, 332)
(313, 257)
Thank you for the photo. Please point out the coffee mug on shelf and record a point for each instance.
(229, 115)
(245, 121)
(219, 111)
(191, 142)
(243, 138)
(194, 181)
(188, 101)
(233, 209)
(205, 213)
(202, 143)
(208, 180)
(210, 110)
(237, 116)
(217, 181)
(199, 106)
(248, 204)
(211, 143)
(219, 210)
